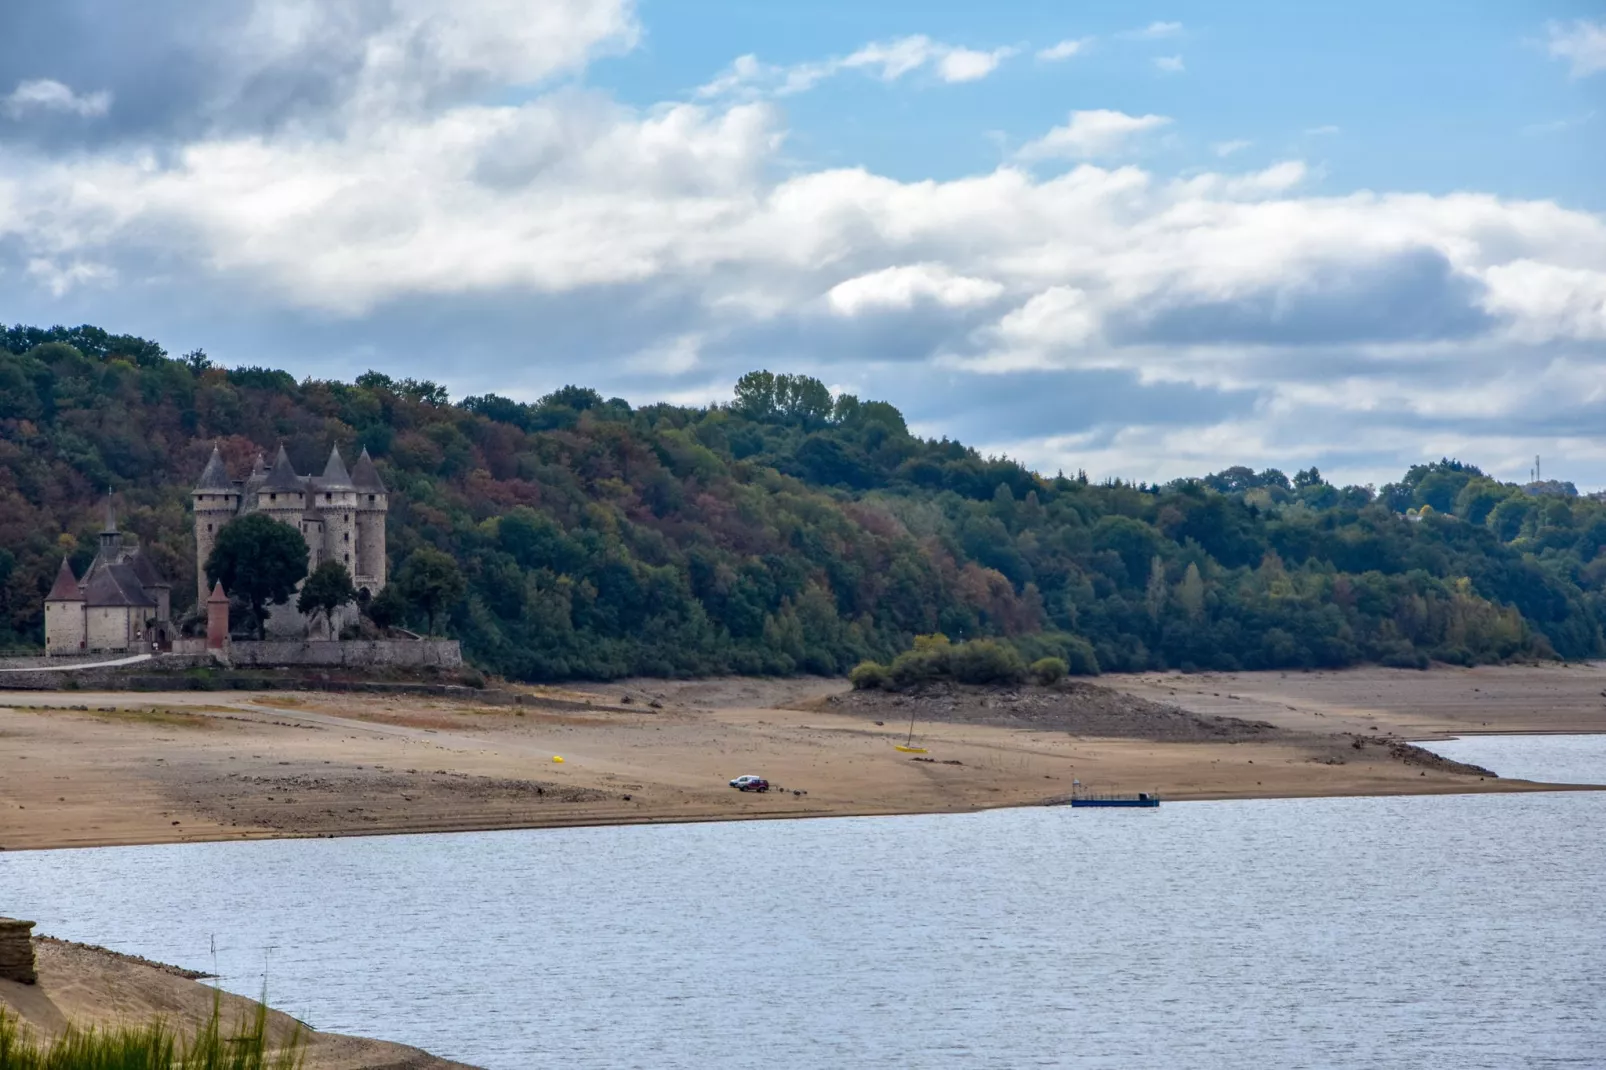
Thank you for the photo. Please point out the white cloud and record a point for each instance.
(1169, 64)
(1090, 134)
(408, 54)
(894, 58)
(1558, 126)
(1321, 131)
(1064, 50)
(1227, 148)
(1581, 43)
(904, 287)
(1155, 30)
(59, 279)
(968, 65)
(48, 95)
(887, 60)
(1278, 178)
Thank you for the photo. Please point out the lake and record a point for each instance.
(1433, 932)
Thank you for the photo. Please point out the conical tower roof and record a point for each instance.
(335, 476)
(217, 595)
(283, 476)
(215, 476)
(364, 476)
(259, 474)
(66, 586)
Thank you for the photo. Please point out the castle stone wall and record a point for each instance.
(349, 653)
(64, 627)
(110, 627)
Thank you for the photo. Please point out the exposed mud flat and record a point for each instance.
(81, 769)
(1076, 707)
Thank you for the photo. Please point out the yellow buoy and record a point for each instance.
(557, 758)
(909, 750)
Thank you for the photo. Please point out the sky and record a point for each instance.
(1144, 242)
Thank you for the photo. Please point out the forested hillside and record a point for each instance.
(790, 530)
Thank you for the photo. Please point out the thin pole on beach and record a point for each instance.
(911, 741)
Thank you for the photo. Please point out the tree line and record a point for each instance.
(791, 530)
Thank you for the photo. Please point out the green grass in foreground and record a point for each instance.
(152, 1047)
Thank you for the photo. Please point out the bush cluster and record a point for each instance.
(934, 659)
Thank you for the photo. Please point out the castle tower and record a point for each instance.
(337, 500)
(217, 501)
(283, 494)
(312, 530)
(372, 503)
(217, 619)
(64, 614)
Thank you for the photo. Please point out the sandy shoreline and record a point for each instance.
(80, 769)
(93, 986)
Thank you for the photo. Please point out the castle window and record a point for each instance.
(209, 527)
(348, 518)
(370, 499)
(273, 497)
(328, 497)
(346, 537)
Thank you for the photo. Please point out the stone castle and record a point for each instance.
(341, 514)
(123, 605)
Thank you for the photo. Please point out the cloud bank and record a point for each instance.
(445, 200)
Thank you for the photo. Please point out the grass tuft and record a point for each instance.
(153, 1046)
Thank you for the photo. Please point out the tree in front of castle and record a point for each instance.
(431, 582)
(260, 560)
(326, 590)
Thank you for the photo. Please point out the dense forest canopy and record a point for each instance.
(792, 530)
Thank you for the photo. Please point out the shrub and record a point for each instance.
(986, 661)
(1048, 671)
(928, 661)
(868, 676)
(1405, 659)
(1079, 657)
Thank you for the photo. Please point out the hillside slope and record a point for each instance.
(790, 531)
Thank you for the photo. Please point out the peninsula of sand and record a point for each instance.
(79, 769)
(91, 988)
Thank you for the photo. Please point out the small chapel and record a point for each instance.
(121, 605)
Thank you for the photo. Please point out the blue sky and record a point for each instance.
(1147, 242)
(1432, 95)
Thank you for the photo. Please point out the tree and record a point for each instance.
(1156, 593)
(755, 395)
(260, 560)
(1191, 593)
(326, 590)
(800, 399)
(389, 608)
(432, 582)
